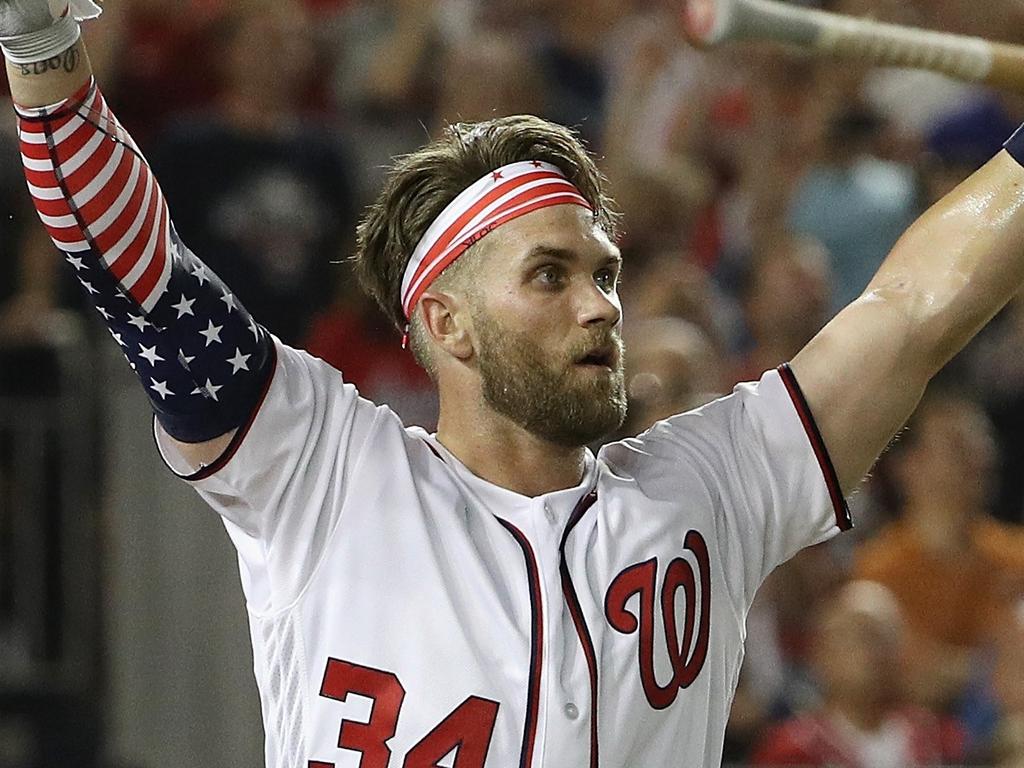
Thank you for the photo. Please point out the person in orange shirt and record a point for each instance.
(954, 569)
(863, 720)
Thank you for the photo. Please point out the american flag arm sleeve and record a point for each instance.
(203, 361)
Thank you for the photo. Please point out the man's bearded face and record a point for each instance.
(569, 397)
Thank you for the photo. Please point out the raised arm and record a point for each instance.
(955, 268)
(203, 362)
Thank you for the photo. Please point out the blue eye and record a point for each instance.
(606, 279)
(549, 275)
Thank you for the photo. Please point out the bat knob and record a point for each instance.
(707, 22)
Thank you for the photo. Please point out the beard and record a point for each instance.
(547, 394)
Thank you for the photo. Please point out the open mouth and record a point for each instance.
(601, 357)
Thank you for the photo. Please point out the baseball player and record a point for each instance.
(493, 594)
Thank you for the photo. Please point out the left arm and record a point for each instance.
(949, 274)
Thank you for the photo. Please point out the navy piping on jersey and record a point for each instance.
(842, 510)
(536, 645)
(572, 600)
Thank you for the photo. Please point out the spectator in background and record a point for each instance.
(172, 45)
(862, 721)
(672, 367)
(262, 194)
(669, 284)
(953, 569)
(353, 336)
(996, 367)
(384, 79)
(854, 202)
(475, 83)
(785, 299)
(32, 284)
(993, 709)
(575, 61)
(764, 127)
(655, 122)
(1007, 750)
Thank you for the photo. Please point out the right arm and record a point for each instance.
(207, 367)
(202, 360)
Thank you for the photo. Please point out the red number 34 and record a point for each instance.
(467, 728)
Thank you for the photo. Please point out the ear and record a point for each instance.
(446, 319)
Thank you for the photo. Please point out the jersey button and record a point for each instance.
(572, 711)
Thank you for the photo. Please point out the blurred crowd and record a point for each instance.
(760, 190)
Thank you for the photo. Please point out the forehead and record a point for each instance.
(567, 228)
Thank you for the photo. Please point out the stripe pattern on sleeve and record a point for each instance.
(95, 192)
(202, 360)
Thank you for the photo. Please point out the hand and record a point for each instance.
(21, 17)
(37, 30)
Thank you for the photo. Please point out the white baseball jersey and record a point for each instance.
(408, 614)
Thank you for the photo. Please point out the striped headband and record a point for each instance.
(499, 197)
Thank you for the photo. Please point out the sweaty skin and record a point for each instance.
(955, 267)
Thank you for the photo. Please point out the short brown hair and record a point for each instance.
(422, 184)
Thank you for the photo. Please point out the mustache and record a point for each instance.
(597, 341)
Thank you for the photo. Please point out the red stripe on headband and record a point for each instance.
(439, 267)
(525, 193)
(533, 199)
(497, 192)
(485, 225)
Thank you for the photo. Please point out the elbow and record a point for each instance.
(930, 330)
(917, 326)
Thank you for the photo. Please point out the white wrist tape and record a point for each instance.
(42, 45)
(54, 40)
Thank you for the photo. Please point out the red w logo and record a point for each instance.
(686, 655)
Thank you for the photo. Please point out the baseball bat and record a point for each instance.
(710, 22)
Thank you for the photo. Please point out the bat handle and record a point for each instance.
(967, 58)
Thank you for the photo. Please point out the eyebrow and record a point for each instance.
(539, 252)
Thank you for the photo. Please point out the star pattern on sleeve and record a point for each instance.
(150, 354)
(184, 307)
(212, 333)
(138, 321)
(199, 273)
(239, 362)
(181, 329)
(160, 387)
(213, 342)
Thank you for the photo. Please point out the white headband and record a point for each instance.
(500, 196)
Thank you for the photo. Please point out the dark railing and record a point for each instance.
(50, 652)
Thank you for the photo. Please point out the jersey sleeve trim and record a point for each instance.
(236, 442)
(844, 521)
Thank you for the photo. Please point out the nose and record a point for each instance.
(597, 307)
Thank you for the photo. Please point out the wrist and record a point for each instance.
(50, 81)
(44, 45)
